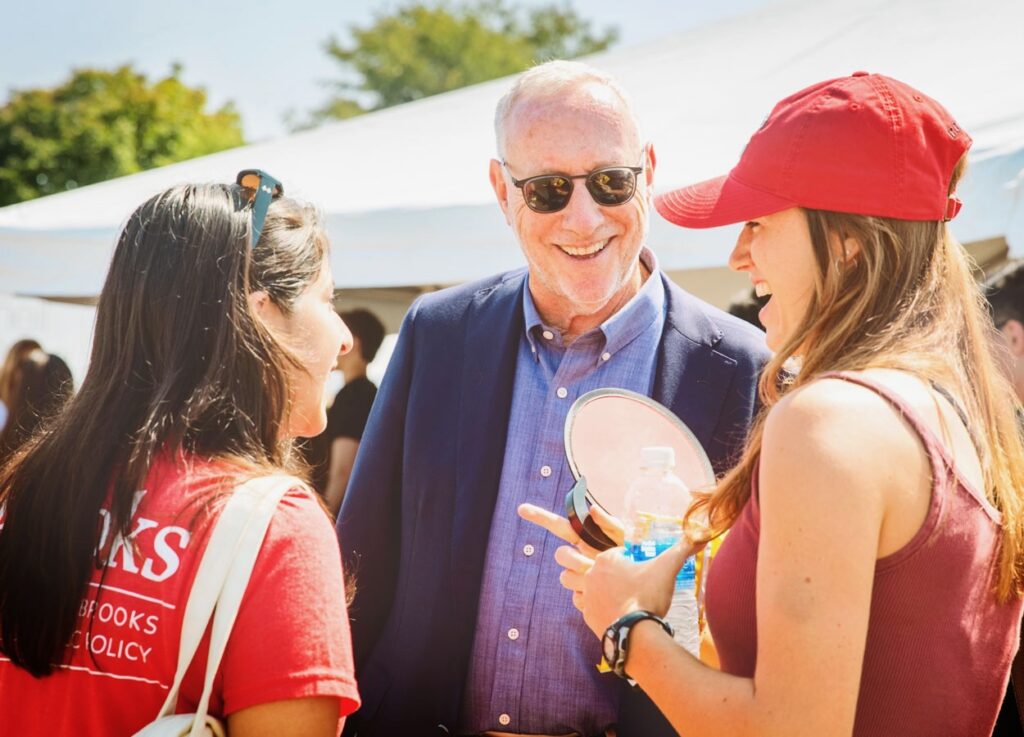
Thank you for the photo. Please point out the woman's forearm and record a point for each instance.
(696, 700)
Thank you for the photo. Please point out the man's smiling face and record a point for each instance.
(583, 257)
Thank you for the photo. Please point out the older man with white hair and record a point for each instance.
(459, 624)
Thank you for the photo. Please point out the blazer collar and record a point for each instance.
(691, 377)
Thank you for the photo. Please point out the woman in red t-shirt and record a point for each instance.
(871, 579)
(215, 333)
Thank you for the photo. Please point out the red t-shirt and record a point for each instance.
(290, 640)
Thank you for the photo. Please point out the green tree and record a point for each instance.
(103, 124)
(422, 49)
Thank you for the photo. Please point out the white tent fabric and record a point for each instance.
(60, 328)
(405, 190)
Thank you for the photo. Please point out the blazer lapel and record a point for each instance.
(493, 325)
(692, 379)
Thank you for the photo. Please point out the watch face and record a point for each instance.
(610, 646)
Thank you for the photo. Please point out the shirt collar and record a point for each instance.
(647, 305)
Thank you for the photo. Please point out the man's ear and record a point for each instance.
(1013, 333)
(500, 186)
(652, 162)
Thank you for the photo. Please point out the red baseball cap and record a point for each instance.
(864, 144)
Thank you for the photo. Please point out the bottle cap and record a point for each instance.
(658, 457)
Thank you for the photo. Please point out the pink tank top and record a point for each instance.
(939, 646)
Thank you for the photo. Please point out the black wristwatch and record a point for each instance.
(615, 642)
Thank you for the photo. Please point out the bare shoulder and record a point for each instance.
(839, 430)
(838, 409)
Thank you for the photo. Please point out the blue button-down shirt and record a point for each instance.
(533, 665)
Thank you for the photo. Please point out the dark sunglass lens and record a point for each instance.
(547, 194)
(612, 186)
(250, 180)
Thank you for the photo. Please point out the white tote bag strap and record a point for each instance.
(221, 580)
(265, 493)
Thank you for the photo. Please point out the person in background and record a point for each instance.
(14, 355)
(871, 580)
(346, 417)
(458, 624)
(39, 386)
(1005, 293)
(215, 335)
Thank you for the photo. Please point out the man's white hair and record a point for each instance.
(550, 80)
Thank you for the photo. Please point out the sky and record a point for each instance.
(266, 56)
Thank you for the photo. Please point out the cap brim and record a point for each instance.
(719, 201)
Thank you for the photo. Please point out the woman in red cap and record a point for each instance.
(871, 580)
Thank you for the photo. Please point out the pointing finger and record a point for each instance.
(555, 524)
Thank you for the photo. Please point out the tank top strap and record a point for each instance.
(964, 419)
(937, 451)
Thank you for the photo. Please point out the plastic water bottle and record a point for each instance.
(655, 505)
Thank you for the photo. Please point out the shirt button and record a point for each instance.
(605, 356)
(513, 634)
(562, 392)
(528, 550)
(545, 471)
(504, 720)
(548, 335)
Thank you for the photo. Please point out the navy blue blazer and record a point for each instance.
(416, 518)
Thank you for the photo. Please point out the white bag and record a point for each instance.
(217, 591)
(182, 725)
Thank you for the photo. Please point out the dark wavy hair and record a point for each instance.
(179, 363)
(15, 354)
(39, 386)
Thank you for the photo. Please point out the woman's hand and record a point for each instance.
(559, 526)
(607, 585)
(613, 585)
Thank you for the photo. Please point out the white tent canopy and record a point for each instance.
(405, 190)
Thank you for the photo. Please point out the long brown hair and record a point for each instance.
(179, 363)
(907, 301)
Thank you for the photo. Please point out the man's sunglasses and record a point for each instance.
(260, 188)
(610, 186)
